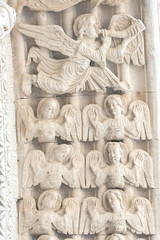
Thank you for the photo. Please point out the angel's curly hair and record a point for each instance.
(81, 24)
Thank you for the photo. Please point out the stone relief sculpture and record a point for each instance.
(49, 217)
(118, 218)
(47, 5)
(51, 122)
(63, 166)
(117, 125)
(75, 74)
(7, 19)
(95, 3)
(60, 5)
(115, 173)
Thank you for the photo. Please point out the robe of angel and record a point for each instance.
(49, 216)
(63, 166)
(116, 125)
(117, 217)
(74, 74)
(51, 122)
(116, 173)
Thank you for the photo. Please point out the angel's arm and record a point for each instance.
(129, 175)
(100, 173)
(98, 55)
(99, 126)
(133, 30)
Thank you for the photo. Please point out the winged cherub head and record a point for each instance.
(115, 106)
(86, 25)
(114, 200)
(116, 236)
(115, 153)
(48, 109)
(7, 19)
(49, 199)
(60, 153)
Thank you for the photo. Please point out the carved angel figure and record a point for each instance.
(115, 173)
(51, 122)
(117, 218)
(72, 74)
(7, 19)
(63, 167)
(49, 217)
(116, 125)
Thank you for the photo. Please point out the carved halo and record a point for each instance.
(81, 20)
(119, 145)
(119, 194)
(54, 147)
(119, 99)
(48, 101)
(50, 192)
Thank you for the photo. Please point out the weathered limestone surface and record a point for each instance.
(79, 120)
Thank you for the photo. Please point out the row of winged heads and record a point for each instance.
(112, 213)
(115, 168)
(113, 122)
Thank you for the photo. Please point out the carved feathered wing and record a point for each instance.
(139, 217)
(71, 123)
(25, 124)
(50, 5)
(92, 205)
(89, 131)
(143, 168)
(52, 37)
(94, 158)
(75, 177)
(140, 110)
(34, 169)
(131, 48)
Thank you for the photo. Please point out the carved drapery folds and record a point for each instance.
(83, 129)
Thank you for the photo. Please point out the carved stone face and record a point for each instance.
(61, 153)
(115, 108)
(49, 201)
(4, 22)
(114, 155)
(49, 111)
(113, 202)
(91, 28)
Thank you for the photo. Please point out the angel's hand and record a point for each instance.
(106, 39)
(94, 162)
(92, 207)
(70, 116)
(93, 116)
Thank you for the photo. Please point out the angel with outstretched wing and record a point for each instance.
(63, 167)
(72, 74)
(117, 125)
(49, 216)
(117, 218)
(51, 122)
(137, 172)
